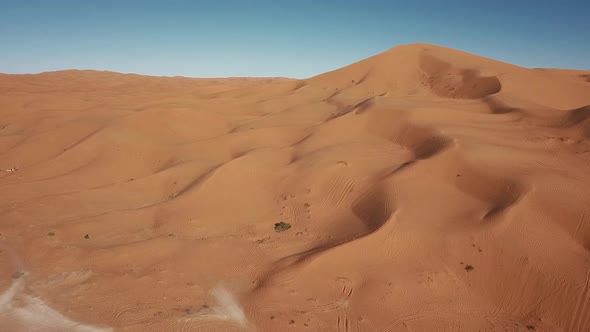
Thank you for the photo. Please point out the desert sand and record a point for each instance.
(427, 189)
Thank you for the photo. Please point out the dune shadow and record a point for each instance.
(447, 81)
(423, 142)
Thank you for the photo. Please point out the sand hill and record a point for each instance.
(427, 189)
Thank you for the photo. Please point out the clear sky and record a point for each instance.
(292, 38)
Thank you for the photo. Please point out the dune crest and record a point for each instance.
(424, 189)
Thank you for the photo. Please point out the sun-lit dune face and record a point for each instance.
(422, 189)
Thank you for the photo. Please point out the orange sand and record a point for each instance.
(428, 189)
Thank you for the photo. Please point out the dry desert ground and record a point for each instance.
(426, 189)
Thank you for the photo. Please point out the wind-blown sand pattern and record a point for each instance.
(427, 189)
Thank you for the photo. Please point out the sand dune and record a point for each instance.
(427, 189)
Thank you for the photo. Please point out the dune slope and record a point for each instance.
(427, 189)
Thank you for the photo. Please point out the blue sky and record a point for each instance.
(220, 38)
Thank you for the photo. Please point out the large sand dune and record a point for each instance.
(428, 189)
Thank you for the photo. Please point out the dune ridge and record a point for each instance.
(427, 189)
